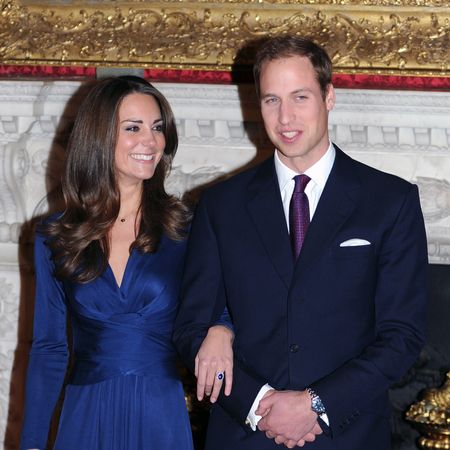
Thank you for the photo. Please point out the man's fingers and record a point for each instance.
(310, 437)
(266, 402)
(262, 425)
(290, 443)
(280, 439)
(317, 429)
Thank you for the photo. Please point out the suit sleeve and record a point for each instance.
(203, 300)
(49, 353)
(400, 311)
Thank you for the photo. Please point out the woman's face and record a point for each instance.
(140, 140)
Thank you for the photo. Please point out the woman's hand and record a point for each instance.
(214, 363)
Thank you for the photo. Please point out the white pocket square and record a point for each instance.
(354, 243)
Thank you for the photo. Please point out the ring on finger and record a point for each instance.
(219, 376)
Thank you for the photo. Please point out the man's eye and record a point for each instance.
(270, 100)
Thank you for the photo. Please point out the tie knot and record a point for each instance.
(300, 183)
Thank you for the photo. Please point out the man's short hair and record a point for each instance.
(285, 46)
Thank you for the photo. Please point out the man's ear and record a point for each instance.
(330, 98)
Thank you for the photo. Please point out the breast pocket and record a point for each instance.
(357, 251)
(353, 269)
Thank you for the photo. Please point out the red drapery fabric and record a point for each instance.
(350, 81)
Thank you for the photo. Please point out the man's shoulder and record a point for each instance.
(377, 179)
(240, 181)
(383, 181)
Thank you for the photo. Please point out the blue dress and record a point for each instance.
(124, 392)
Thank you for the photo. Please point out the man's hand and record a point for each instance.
(309, 437)
(288, 418)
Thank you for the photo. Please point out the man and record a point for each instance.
(325, 284)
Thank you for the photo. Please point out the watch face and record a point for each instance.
(317, 405)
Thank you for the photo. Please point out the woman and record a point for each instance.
(112, 262)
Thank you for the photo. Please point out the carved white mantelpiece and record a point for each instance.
(405, 133)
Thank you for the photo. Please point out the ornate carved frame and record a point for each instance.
(378, 37)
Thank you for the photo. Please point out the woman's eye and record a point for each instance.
(133, 128)
(158, 128)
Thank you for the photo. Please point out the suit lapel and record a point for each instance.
(266, 210)
(335, 206)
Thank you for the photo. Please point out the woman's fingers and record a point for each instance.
(218, 381)
(201, 372)
(214, 363)
(211, 370)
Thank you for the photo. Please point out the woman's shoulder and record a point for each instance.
(49, 218)
(44, 224)
(169, 242)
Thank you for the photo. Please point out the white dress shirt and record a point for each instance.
(318, 173)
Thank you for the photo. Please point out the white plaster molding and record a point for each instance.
(406, 133)
(9, 309)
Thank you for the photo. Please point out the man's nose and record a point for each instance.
(286, 112)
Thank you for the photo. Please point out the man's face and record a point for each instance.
(294, 111)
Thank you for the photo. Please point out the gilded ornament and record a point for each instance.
(363, 36)
(431, 415)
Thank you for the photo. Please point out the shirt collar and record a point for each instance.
(318, 172)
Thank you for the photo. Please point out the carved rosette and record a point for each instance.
(376, 36)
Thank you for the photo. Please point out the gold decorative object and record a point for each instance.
(404, 37)
(431, 415)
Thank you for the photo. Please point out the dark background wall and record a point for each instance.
(433, 363)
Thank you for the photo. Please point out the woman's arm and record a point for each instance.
(214, 361)
(49, 353)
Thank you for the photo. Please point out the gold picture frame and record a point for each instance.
(394, 37)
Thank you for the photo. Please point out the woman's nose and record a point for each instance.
(147, 138)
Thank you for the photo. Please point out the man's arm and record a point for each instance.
(400, 312)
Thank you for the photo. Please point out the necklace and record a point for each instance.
(127, 217)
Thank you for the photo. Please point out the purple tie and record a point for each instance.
(299, 214)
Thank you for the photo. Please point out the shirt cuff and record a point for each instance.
(253, 418)
(324, 417)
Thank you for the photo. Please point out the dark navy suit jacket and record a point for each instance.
(346, 321)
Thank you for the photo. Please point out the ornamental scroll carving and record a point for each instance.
(374, 36)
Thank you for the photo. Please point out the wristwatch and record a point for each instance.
(316, 402)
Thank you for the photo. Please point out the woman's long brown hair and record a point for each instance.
(78, 239)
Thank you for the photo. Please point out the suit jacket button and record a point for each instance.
(294, 348)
